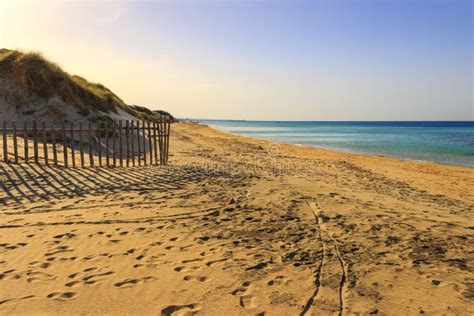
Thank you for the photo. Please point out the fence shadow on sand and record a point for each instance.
(20, 183)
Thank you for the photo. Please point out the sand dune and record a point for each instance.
(238, 226)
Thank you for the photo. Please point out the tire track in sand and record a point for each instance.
(316, 209)
(318, 272)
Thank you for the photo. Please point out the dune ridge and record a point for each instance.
(34, 87)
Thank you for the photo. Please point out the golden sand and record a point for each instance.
(236, 226)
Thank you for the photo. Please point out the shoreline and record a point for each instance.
(349, 152)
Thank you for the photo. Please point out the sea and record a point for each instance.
(441, 142)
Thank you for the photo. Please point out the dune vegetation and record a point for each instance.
(35, 76)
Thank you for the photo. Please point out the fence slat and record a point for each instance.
(107, 150)
(5, 145)
(154, 143)
(15, 143)
(160, 139)
(127, 144)
(167, 139)
(132, 143)
(89, 136)
(99, 141)
(25, 139)
(45, 144)
(150, 143)
(73, 154)
(35, 142)
(158, 134)
(144, 142)
(55, 152)
(164, 143)
(64, 144)
(114, 147)
(139, 144)
(120, 143)
(81, 148)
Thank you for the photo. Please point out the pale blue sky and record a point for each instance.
(298, 60)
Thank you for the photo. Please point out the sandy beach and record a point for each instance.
(237, 226)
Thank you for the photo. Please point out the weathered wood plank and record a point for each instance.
(107, 149)
(73, 152)
(127, 143)
(114, 145)
(89, 136)
(45, 144)
(120, 143)
(25, 140)
(64, 144)
(150, 143)
(5, 145)
(144, 142)
(15, 143)
(162, 150)
(167, 141)
(155, 151)
(139, 144)
(55, 150)
(99, 141)
(81, 145)
(132, 143)
(35, 142)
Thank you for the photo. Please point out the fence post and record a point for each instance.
(99, 140)
(35, 142)
(107, 149)
(144, 142)
(150, 143)
(168, 136)
(25, 139)
(5, 146)
(154, 143)
(114, 147)
(89, 136)
(45, 144)
(73, 154)
(127, 143)
(55, 153)
(139, 144)
(165, 141)
(160, 139)
(120, 143)
(81, 149)
(15, 143)
(132, 143)
(64, 144)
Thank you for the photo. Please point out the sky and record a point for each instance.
(262, 60)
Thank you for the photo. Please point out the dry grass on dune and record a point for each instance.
(37, 75)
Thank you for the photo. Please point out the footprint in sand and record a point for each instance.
(191, 260)
(176, 310)
(197, 278)
(87, 279)
(279, 280)
(62, 295)
(132, 282)
(246, 299)
(35, 276)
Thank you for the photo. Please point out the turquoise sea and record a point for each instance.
(442, 142)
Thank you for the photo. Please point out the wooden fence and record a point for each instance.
(81, 144)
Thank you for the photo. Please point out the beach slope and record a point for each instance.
(239, 226)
